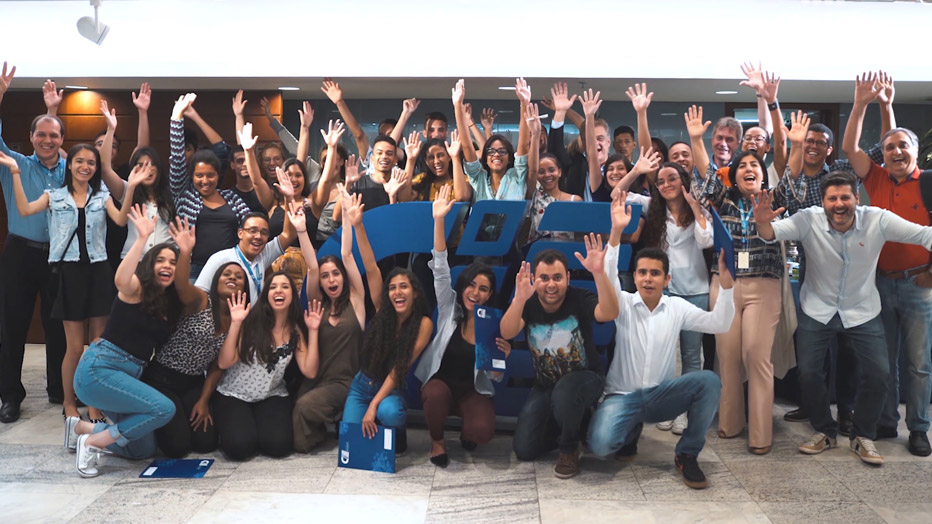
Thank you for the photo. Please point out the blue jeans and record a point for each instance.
(552, 417)
(691, 341)
(617, 416)
(108, 378)
(906, 311)
(391, 411)
(870, 348)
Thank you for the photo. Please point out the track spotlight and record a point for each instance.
(91, 28)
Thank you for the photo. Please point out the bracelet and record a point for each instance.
(472, 125)
(774, 106)
(760, 95)
(15, 172)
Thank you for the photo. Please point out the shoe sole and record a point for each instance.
(625, 458)
(920, 453)
(565, 476)
(873, 461)
(696, 485)
(813, 451)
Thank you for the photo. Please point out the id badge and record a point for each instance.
(744, 260)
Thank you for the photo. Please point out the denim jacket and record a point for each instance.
(63, 219)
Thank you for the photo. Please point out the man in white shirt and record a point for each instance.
(640, 385)
(254, 253)
(839, 296)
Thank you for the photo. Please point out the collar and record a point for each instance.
(857, 221)
(60, 166)
(637, 301)
(912, 176)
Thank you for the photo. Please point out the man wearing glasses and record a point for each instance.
(254, 253)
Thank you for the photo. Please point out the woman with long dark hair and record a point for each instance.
(447, 370)
(144, 313)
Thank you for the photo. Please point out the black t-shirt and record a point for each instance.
(373, 194)
(459, 360)
(216, 231)
(251, 200)
(277, 225)
(561, 342)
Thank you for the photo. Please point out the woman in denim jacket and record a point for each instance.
(78, 230)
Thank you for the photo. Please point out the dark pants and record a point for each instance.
(247, 428)
(442, 399)
(24, 273)
(176, 439)
(869, 345)
(552, 417)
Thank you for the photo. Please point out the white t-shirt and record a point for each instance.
(255, 271)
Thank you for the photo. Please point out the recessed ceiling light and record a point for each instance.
(726, 92)
(75, 87)
(289, 88)
(506, 88)
(667, 114)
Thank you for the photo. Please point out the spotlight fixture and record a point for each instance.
(91, 28)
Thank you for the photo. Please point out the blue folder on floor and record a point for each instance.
(723, 240)
(359, 452)
(488, 356)
(177, 469)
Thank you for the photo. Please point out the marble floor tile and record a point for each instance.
(294, 474)
(17, 460)
(554, 511)
(661, 481)
(820, 512)
(904, 513)
(59, 468)
(893, 482)
(806, 481)
(507, 480)
(410, 481)
(26, 502)
(233, 507)
(45, 428)
(598, 479)
(513, 510)
(138, 504)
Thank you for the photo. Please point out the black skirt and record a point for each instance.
(85, 291)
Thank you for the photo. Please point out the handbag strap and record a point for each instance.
(70, 240)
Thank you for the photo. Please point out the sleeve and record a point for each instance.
(898, 229)
(475, 173)
(177, 171)
(270, 252)
(288, 140)
(611, 270)
(236, 202)
(705, 237)
(637, 198)
(874, 177)
(792, 228)
(446, 297)
(556, 146)
(520, 170)
(207, 273)
(716, 321)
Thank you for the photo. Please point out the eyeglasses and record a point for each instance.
(821, 143)
(755, 139)
(256, 232)
(499, 152)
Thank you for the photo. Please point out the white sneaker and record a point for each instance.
(71, 437)
(864, 447)
(665, 426)
(680, 424)
(86, 458)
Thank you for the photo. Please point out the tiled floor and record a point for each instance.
(38, 483)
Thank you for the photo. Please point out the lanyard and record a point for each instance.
(256, 279)
(745, 223)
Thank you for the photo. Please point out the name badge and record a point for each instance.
(744, 260)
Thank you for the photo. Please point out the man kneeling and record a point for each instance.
(640, 385)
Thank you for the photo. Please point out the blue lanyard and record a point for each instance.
(745, 223)
(257, 280)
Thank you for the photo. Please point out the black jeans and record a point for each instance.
(552, 417)
(247, 428)
(176, 439)
(24, 273)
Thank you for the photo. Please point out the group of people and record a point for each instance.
(199, 340)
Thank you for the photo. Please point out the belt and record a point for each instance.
(906, 273)
(44, 246)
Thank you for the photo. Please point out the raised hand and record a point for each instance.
(8, 162)
(865, 88)
(755, 76)
(562, 101)
(621, 211)
(351, 170)
(594, 262)
(454, 146)
(6, 78)
(306, 114)
(109, 114)
(284, 185)
(239, 307)
(183, 234)
(800, 122)
(142, 100)
(393, 184)
(182, 105)
(762, 211)
(266, 109)
(524, 282)
(352, 206)
(442, 203)
(412, 144)
(639, 96)
(409, 105)
(648, 161)
(523, 91)
(770, 87)
(246, 138)
(138, 174)
(313, 315)
(591, 102)
(548, 103)
(467, 109)
(297, 217)
(533, 120)
(332, 90)
(333, 134)
(144, 226)
(885, 89)
(691, 200)
(695, 127)
(458, 93)
(51, 97)
(488, 117)
(239, 105)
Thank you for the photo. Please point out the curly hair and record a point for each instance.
(158, 302)
(256, 342)
(387, 342)
(655, 229)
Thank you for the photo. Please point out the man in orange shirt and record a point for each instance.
(903, 271)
